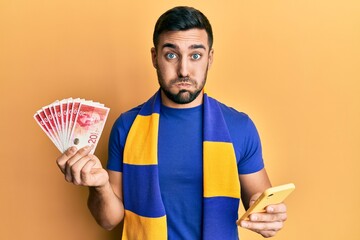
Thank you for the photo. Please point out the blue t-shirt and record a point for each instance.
(180, 160)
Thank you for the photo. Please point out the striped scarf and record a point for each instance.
(145, 216)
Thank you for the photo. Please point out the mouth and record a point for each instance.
(183, 84)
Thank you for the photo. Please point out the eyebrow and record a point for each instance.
(194, 46)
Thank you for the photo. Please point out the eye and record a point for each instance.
(170, 56)
(196, 56)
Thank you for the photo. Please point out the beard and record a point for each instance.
(184, 96)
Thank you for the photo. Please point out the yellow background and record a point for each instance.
(293, 66)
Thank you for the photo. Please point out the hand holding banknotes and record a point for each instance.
(75, 127)
(74, 124)
(82, 168)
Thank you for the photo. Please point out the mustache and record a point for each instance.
(183, 80)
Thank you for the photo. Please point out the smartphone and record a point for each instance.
(273, 195)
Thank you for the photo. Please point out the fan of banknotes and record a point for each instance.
(73, 122)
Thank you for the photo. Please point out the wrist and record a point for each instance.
(102, 188)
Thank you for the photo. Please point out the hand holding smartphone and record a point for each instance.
(270, 196)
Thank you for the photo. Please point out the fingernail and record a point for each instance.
(270, 209)
(89, 147)
(253, 218)
(72, 149)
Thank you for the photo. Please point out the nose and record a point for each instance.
(183, 68)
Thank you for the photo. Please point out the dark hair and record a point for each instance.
(181, 19)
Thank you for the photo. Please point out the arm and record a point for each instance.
(106, 203)
(270, 222)
(252, 184)
(105, 192)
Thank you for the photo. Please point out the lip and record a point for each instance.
(183, 84)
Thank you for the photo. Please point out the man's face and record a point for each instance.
(182, 59)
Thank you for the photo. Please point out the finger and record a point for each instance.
(267, 234)
(77, 168)
(97, 161)
(83, 152)
(262, 226)
(86, 172)
(268, 217)
(276, 208)
(61, 161)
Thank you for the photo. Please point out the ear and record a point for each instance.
(153, 57)
(211, 57)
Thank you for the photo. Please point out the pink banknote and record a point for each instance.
(73, 122)
(51, 123)
(72, 116)
(63, 110)
(88, 125)
(45, 127)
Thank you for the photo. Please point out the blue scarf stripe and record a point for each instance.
(215, 128)
(146, 178)
(220, 218)
(151, 106)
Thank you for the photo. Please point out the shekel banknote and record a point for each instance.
(73, 122)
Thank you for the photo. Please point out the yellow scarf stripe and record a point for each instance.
(141, 143)
(218, 180)
(141, 228)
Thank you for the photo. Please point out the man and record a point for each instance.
(176, 161)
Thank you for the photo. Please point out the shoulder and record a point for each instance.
(126, 119)
(245, 139)
(233, 116)
(131, 114)
(240, 125)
